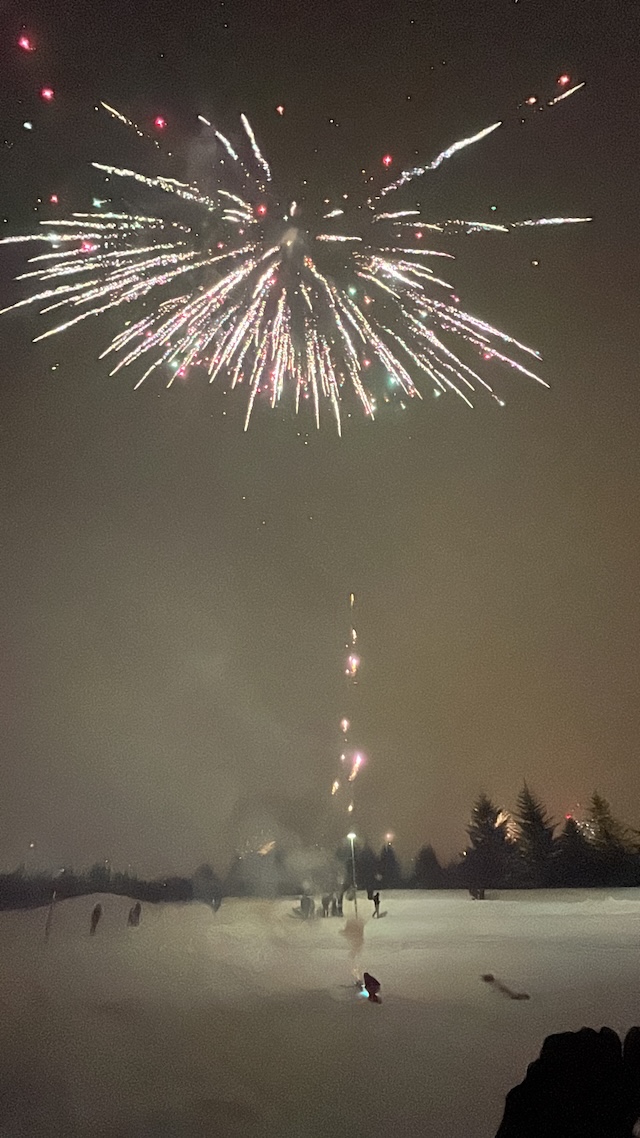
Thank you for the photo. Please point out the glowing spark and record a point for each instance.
(344, 726)
(280, 110)
(387, 160)
(254, 146)
(159, 122)
(26, 44)
(418, 171)
(335, 237)
(54, 199)
(566, 94)
(47, 94)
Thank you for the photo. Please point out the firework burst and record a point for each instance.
(267, 299)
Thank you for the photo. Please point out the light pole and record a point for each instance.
(352, 838)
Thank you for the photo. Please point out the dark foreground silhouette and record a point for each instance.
(586, 1084)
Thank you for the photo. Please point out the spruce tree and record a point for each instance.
(389, 868)
(573, 860)
(489, 862)
(535, 841)
(427, 871)
(613, 846)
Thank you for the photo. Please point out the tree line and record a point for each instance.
(523, 850)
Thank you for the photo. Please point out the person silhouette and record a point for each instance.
(95, 917)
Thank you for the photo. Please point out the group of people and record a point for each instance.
(332, 903)
(133, 920)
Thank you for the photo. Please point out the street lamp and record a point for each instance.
(352, 838)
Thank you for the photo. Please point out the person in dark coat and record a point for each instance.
(372, 987)
(376, 904)
(326, 901)
(134, 915)
(95, 917)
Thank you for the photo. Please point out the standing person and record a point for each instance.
(95, 917)
(134, 915)
(326, 901)
(376, 904)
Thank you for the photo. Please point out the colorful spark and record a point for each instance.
(26, 44)
(229, 280)
(47, 93)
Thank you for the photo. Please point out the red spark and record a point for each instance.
(25, 43)
(87, 247)
(261, 210)
(47, 94)
(280, 109)
(563, 80)
(54, 199)
(531, 100)
(159, 122)
(387, 160)
(419, 235)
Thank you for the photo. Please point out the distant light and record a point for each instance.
(387, 160)
(159, 122)
(47, 94)
(28, 125)
(389, 838)
(351, 836)
(26, 44)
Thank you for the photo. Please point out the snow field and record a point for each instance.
(247, 1022)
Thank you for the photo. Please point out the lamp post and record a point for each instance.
(352, 838)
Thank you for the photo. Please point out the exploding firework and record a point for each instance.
(268, 300)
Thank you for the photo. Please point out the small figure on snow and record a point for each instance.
(372, 987)
(326, 901)
(95, 917)
(376, 904)
(217, 901)
(134, 915)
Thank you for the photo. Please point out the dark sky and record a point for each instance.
(174, 591)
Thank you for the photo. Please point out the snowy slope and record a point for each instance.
(247, 1022)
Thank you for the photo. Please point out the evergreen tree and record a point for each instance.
(614, 848)
(573, 861)
(389, 869)
(367, 868)
(207, 886)
(535, 841)
(427, 871)
(489, 862)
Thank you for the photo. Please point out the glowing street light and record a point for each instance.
(352, 837)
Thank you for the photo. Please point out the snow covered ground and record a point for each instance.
(247, 1022)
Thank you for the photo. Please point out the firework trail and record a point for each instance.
(351, 761)
(229, 281)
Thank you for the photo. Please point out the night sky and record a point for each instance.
(175, 591)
